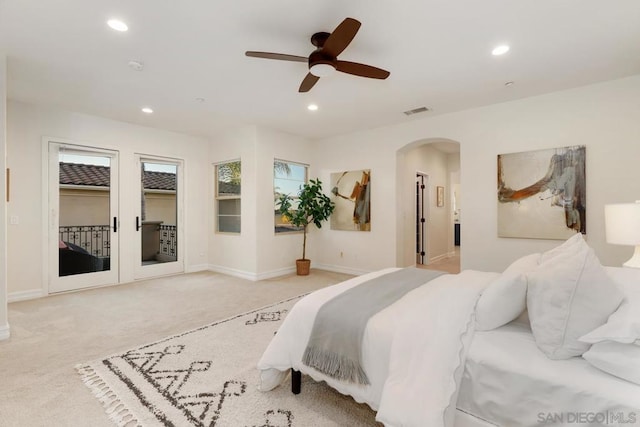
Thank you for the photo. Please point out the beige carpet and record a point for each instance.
(49, 336)
(207, 377)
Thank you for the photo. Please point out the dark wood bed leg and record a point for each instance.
(296, 380)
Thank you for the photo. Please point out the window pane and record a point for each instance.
(229, 224)
(288, 178)
(229, 207)
(289, 181)
(229, 175)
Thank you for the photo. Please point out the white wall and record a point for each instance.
(359, 251)
(277, 253)
(605, 117)
(4, 323)
(27, 124)
(235, 253)
(256, 253)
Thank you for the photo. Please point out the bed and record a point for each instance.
(430, 363)
(522, 386)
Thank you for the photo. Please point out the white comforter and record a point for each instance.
(413, 351)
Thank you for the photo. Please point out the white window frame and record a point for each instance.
(220, 198)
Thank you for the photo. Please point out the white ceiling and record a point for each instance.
(62, 53)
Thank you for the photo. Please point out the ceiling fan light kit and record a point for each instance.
(324, 60)
(322, 69)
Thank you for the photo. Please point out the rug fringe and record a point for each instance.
(113, 406)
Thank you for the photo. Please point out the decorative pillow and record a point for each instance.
(623, 325)
(621, 360)
(569, 295)
(576, 240)
(506, 298)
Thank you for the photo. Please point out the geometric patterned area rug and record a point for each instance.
(208, 377)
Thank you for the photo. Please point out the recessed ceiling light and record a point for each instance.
(500, 50)
(312, 107)
(147, 110)
(117, 25)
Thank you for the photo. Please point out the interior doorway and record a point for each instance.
(427, 218)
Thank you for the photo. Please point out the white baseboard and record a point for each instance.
(340, 269)
(25, 295)
(283, 271)
(233, 272)
(276, 273)
(197, 268)
(5, 332)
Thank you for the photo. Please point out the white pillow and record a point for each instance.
(623, 325)
(621, 360)
(569, 295)
(506, 297)
(566, 246)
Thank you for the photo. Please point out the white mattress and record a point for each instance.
(508, 381)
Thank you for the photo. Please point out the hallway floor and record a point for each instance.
(450, 264)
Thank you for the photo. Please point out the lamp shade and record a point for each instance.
(622, 227)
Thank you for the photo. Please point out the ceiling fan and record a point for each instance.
(324, 60)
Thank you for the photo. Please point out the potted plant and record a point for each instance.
(313, 207)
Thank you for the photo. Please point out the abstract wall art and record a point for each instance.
(542, 193)
(352, 195)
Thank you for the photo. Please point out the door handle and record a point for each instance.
(115, 224)
(137, 223)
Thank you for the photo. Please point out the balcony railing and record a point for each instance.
(95, 239)
(169, 240)
(92, 238)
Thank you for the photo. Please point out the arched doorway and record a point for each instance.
(429, 193)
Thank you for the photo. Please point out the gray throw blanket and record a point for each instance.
(335, 343)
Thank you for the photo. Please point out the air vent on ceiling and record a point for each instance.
(416, 111)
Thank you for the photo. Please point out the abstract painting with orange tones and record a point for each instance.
(542, 193)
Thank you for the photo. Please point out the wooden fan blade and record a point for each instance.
(308, 82)
(341, 37)
(361, 70)
(280, 56)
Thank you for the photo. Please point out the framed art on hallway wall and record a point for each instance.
(439, 196)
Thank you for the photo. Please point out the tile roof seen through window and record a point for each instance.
(159, 180)
(98, 176)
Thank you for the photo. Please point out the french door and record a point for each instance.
(158, 222)
(83, 217)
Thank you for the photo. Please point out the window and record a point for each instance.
(288, 178)
(228, 196)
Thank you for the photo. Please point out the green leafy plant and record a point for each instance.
(313, 207)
